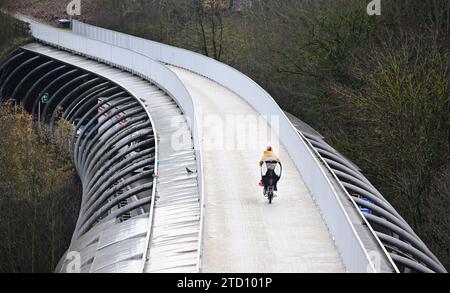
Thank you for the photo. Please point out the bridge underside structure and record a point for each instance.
(114, 115)
(150, 206)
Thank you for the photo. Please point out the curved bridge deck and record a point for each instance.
(243, 233)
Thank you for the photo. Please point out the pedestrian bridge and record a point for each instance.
(167, 148)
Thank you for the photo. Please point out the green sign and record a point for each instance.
(45, 98)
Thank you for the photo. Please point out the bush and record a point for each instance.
(39, 193)
(396, 127)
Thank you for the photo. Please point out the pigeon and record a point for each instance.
(189, 171)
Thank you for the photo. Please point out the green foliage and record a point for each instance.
(396, 126)
(12, 35)
(39, 193)
(325, 49)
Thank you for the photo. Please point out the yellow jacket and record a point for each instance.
(268, 156)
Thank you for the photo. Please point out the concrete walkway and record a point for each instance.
(243, 233)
